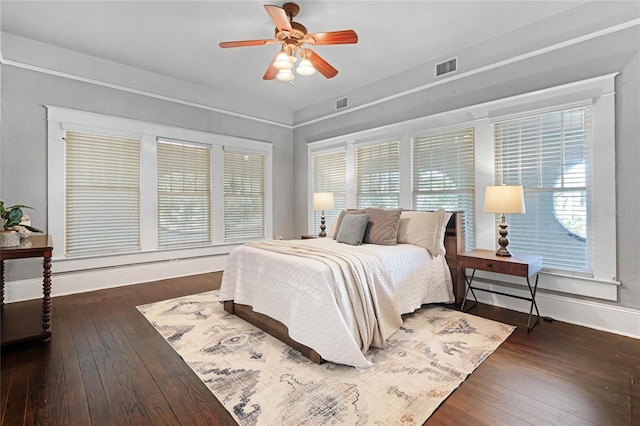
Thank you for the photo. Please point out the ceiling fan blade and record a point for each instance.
(279, 17)
(272, 71)
(333, 37)
(322, 66)
(244, 43)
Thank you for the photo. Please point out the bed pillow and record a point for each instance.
(331, 232)
(352, 229)
(383, 227)
(424, 229)
(340, 217)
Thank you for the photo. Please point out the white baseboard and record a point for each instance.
(600, 316)
(78, 282)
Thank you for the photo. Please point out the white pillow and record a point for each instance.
(332, 229)
(423, 229)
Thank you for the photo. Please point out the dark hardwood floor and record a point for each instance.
(106, 365)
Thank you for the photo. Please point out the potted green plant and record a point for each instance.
(14, 225)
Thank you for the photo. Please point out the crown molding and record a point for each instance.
(489, 67)
(522, 57)
(97, 82)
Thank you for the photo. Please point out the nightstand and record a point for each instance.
(519, 265)
(309, 237)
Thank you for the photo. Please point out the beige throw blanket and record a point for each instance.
(361, 287)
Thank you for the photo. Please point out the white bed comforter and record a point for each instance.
(316, 299)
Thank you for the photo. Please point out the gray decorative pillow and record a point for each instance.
(352, 229)
(383, 227)
(338, 220)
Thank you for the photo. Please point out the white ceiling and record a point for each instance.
(180, 38)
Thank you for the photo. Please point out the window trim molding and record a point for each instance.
(597, 91)
(60, 119)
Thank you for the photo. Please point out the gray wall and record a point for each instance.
(616, 52)
(23, 137)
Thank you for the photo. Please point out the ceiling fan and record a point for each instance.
(293, 36)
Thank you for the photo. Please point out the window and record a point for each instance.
(378, 175)
(184, 193)
(330, 175)
(547, 140)
(244, 196)
(548, 155)
(444, 175)
(102, 196)
(124, 192)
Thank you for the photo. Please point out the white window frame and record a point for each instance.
(268, 188)
(62, 119)
(436, 132)
(208, 154)
(359, 145)
(314, 224)
(598, 92)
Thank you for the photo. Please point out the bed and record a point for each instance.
(332, 301)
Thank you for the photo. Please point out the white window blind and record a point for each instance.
(330, 175)
(444, 175)
(378, 175)
(184, 194)
(102, 198)
(244, 196)
(549, 155)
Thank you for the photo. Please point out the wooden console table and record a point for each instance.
(20, 323)
(519, 265)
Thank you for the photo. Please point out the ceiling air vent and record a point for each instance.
(341, 103)
(447, 67)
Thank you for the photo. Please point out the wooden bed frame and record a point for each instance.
(454, 243)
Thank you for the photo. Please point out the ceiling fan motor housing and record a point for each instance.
(298, 33)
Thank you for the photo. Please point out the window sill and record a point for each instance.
(106, 260)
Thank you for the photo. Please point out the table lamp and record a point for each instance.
(503, 199)
(322, 201)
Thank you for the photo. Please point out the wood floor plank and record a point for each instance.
(502, 373)
(123, 376)
(74, 408)
(107, 365)
(35, 405)
(56, 391)
(180, 384)
(83, 333)
(15, 382)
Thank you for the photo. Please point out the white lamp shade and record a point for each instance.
(282, 62)
(305, 67)
(285, 75)
(504, 199)
(323, 200)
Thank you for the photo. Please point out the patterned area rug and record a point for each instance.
(262, 381)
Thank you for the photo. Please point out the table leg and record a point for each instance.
(46, 300)
(533, 304)
(469, 288)
(2, 281)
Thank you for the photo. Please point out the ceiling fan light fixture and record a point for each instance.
(285, 75)
(292, 36)
(305, 67)
(282, 62)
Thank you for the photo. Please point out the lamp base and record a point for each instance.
(503, 241)
(503, 251)
(322, 226)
